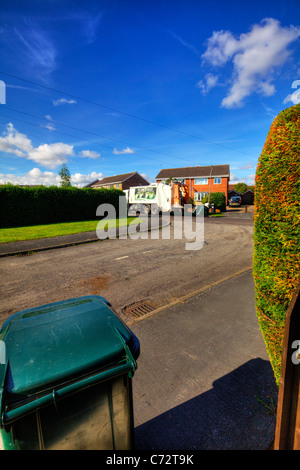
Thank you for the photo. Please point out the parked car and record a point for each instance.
(235, 201)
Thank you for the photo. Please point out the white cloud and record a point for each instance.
(233, 178)
(221, 47)
(80, 180)
(249, 179)
(49, 126)
(47, 155)
(90, 154)
(254, 55)
(51, 155)
(33, 177)
(15, 142)
(38, 49)
(295, 96)
(63, 101)
(48, 178)
(247, 166)
(288, 99)
(119, 152)
(209, 83)
(148, 178)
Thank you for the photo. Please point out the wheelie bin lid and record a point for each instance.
(56, 343)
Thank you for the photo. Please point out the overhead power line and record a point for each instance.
(54, 130)
(78, 129)
(109, 108)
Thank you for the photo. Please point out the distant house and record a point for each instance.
(90, 185)
(125, 181)
(199, 180)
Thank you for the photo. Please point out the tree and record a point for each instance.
(65, 176)
(240, 187)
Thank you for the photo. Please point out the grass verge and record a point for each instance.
(55, 230)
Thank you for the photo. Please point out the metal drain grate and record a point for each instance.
(138, 309)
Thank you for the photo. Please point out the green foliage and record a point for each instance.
(240, 187)
(218, 199)
(45, 205)
(276, 259)
(65, 176)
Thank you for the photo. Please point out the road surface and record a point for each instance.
(126, 271)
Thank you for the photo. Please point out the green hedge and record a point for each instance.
(276, 260)
(218, 199)
(45, 205)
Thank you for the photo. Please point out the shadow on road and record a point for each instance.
(229, 416)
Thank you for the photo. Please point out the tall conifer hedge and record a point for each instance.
(276, 261)
(45, 205)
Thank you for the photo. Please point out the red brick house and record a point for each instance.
(125, 181)
(199, 180)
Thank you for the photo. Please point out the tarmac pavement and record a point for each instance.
(198, 388)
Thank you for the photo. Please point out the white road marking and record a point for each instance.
(122, 257)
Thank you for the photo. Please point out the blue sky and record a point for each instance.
(111, 87)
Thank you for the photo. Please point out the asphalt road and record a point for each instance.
(126, 271)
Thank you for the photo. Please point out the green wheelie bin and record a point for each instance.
(66, 373)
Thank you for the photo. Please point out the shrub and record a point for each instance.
(276, 259)
(240, 187)
(45, 205)
(218, 199)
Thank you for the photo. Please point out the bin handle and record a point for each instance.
(127, 352)
(10, 416)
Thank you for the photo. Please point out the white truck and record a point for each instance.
(155, 198)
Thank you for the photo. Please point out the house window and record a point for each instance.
(179, 180)
(198, 196)
(217, 180)
(201, 180)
